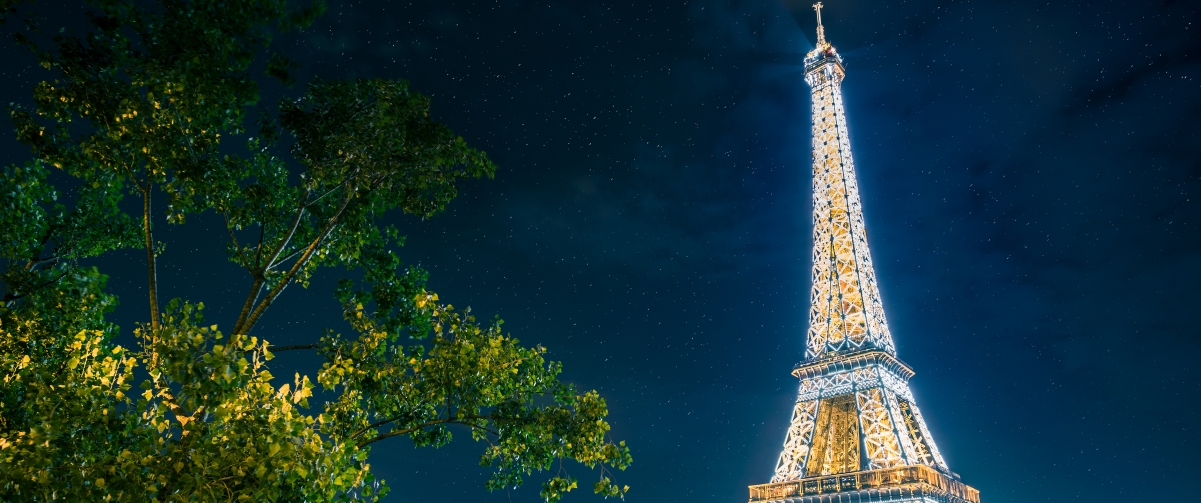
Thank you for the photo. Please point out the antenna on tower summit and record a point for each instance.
(821, 31)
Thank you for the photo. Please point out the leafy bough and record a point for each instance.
(144, 105)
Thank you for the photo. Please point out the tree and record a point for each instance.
(146, 104)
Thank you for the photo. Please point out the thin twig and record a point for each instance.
(328, 192)
(258, 251)
(270, 262)
(276, 349)
(13, 296)
(406, 431)
(283, 282)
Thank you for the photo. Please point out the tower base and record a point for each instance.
(904, 484)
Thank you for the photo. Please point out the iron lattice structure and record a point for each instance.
(856, 430)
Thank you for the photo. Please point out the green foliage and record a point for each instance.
(69, 430)
(62, 391)
(470, 375)
(37, 233)
(245, 439)
(141, 105)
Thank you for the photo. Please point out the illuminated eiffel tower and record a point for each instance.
(856, 434)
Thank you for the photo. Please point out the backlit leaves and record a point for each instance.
(153, 101)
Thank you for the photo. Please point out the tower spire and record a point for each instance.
(821, 30)
(856, 429)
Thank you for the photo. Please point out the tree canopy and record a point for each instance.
(147, 104)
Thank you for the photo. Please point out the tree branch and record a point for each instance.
(270, 262)
(289, 257)
(394, 433)
(9, 297)
(48, 260)
(377, 424)
(283, 282)
(151, 270)
(35, 261)
(251, 298)
(258, 250)
(276, 349)
(322, 196)
(406, 431)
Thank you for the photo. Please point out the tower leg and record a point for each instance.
(797, 443)
(880, 442)
(929, 440)
(901, 430)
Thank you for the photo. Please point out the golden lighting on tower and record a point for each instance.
(855, 427)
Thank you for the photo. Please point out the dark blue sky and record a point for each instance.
(1027, 172)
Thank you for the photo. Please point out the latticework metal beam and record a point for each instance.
(855, 426)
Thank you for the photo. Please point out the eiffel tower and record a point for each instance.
(856, 434)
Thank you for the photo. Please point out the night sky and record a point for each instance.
(1027, 174)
